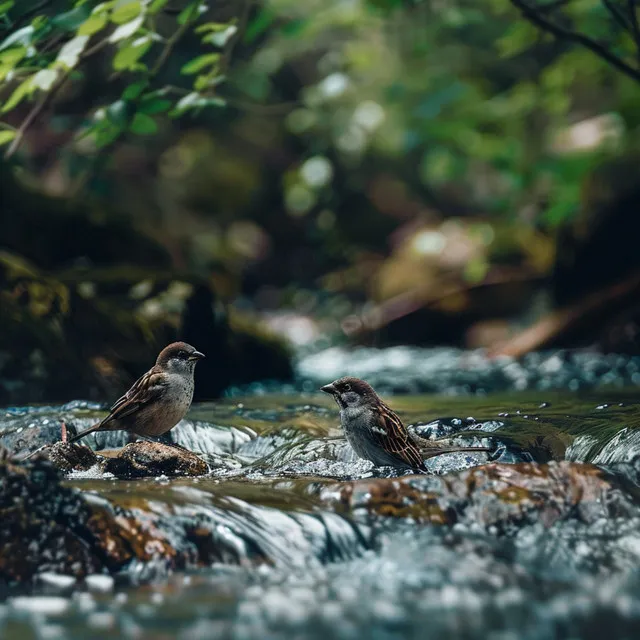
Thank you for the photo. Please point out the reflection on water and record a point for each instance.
(327, 574)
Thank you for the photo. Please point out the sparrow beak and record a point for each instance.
(196, 355)
(328, 388)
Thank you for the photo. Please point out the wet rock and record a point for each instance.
(42, 524)
(68, 457)
(48, 528)
(150, 459)
(494, 496)
(137, 460)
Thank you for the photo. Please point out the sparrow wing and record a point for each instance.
(394, 438)
(146, 389)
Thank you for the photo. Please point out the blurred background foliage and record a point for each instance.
(248, 174)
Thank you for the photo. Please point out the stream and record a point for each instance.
(291, 536)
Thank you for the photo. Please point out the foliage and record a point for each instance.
(367, 147)
(45, 50)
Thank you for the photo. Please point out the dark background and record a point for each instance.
(374, 172)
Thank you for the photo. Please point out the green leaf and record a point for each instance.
(519, 37)
(22, 36)
(126, 30)
(194, 100)
(210, 26)
(134, 90)
(129, 54)
(125, 12)
(71, 20)
(154, 105)
(143, 125)
(156, 5)
(19, 93)
(104, 135)
(11, 57)
(95, 23)
(199, 63)
(119, 113)
(5, 6)
(220, 38)
(190, 12)
(294, 28)
(259, 25)
(7, 135)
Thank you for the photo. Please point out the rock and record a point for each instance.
(42, 524)
(68, 457)
(49, 529)
(144, 459)
(494, 495)
(140, 459)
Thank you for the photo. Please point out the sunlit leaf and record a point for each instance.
(194, 100)
(129, 54)
(7, 135)
(126, 30)
(143, 125)
(22, 36)
(210, 26)
(44, 79)
(11, 57)
(125, 11)
(5, 6)
(199, 63)
(70, 52)
(95, 23)
(220, 38)
(19, 93)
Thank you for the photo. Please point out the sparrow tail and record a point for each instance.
(432, 452)
(84, 433)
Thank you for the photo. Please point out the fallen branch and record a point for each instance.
(552, 328)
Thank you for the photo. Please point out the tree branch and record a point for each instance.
(618, 16)
(635, 25)
(32, 115)
(534, 16)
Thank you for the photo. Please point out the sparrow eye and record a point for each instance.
(347, 387)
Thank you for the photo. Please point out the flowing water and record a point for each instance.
(291, 560)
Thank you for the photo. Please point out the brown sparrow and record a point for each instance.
(158, 400)
(375, 432)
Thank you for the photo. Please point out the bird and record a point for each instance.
(158, 400)
(376, 433)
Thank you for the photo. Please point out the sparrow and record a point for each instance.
(158, 400)
(376, 433)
